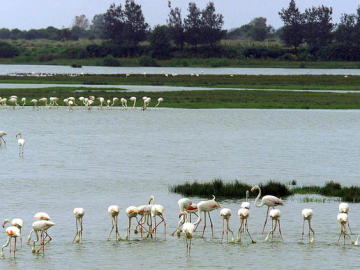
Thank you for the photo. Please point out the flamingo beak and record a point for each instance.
(253, 189)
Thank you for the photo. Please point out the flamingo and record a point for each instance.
(13, 100)
(21, 143)
(342, 218)
(34, 102)
(17, 222)
(345, 208)
(145, 212)
(206, 207)
(54, 100)
(2, 134)
(268, 200)
(307, 215)
(275, 215)
(115, 99)
(23, 100)
(12, 232)
(114, 210)
(40, 216)
(133, 99)
(123, 102)
(244, 214)
(44, 100)
(41, 226)
(160, 99)
(225, 213)
(79, 214)
(183, 203)
(157, 210)
(101, 100)
(131, 212)
(188, 229)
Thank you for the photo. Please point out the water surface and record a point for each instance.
(95, 158)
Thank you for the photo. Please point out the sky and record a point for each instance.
(28, 14)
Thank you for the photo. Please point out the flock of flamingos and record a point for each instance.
(88, 102)
(151, 215)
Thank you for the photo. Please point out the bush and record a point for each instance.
(8, 51)
(46, 57)
(111, 61)
(288, 57)
(147, 61)
(75, 53)
(219, 62)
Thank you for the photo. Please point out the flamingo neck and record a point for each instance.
(257, 198)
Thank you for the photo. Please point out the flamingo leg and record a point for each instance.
(21, 239)
(81, 228)
(302, 235)
(229, 230)
(313, 233)
(240, 229)
(223, 229)
(267, 214)
(349, 227)
(77, 231)
(4, 246)
(128, 230)
(211, 224)
(280, 230)
(204, 224)
(247, 229)
(112, 227)
(117, 235)
(14, 247)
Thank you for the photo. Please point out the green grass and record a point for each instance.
(332, 189)
(236, 189)
(233, 189)
(203, 99)
(287, 82)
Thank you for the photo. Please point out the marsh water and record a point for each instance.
(92, 159)
(12, 69)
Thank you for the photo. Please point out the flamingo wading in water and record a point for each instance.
(307, 215)
(12, 232)
(225, 213)
(275, 215)
(268, 200)
(114, 210)
(79, 214)
(21, 144)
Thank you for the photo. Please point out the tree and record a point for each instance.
(318, 26)
(211, 25)
(160, 42)
(259, 31)
(192, 25)
(97, 27)
(81, 22)
(175, 26)
(136, 27)
(114, 24)
(293, 30)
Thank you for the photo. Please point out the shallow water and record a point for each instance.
(95, 158)
(9, 69)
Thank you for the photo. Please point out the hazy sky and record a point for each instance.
(26, 14)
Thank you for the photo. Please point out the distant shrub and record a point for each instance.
(74, 53)
(219, 62)
(288, 57)
(111, 61)
(8, 51)
(147, 61)
(46, 57)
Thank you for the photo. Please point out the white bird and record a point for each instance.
(342, 218)
(157, 210)
(44, 100)
(345, 208)
(40, 226)
(225, 213)
(133, 99)
(123, 102)
(160, 99)
(131, 213)
(246, 204)
(79, 214)
(13, 233)
(206, 207)
(275, 215)
(188, 229)
(114, 210)
(307, 215)
(34, 102)
(17, 222)
(244, 214)
(21, 144)
(115, 99)
(23, 100)
(268, 200)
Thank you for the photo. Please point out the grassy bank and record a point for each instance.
(236, 189)
(293, 82)
(189, 62)
(203, 99)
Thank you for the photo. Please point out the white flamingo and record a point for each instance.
(12, 232)
(206, 207)
(345, 208)
(133, 99)
(307, 215)
(342, 218)
(114, 210)
(275, 215)
(115, 99)
(79, 214)
(160, 99)
(225, 213)
(244, 214)
(34, 101)
(268, 200)
(21, 144)
(17, 222)
(157, 210)
(131, 213)
(188, 229)
(41, 226)
(123, 102)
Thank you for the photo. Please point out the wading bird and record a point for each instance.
(275, 215)
(12, 232)
(244, 214)
(133, 99)
(268, 200)
(342, 218)
(225, 213)
(160, 99)
(40, 216)
(79, 214)
(41, 227)
(131, 213)
(157, 210)
(188, 229)
(17, 222)
(114, 210)
(206, 207)
(345, 208)
(307, 215)
(21, 144)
